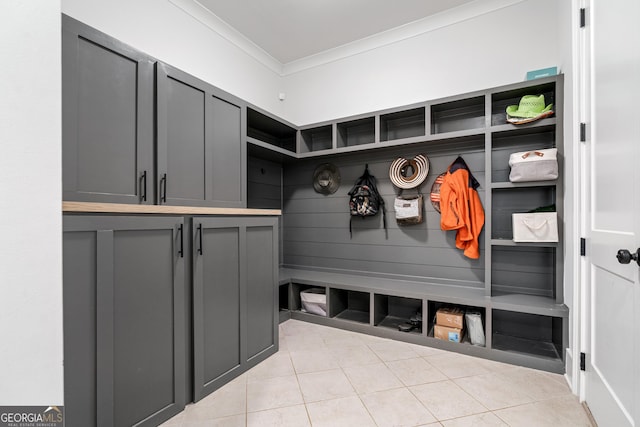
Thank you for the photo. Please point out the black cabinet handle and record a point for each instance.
(143, 186)
(181, 251)
(163, 189)
(200, 238)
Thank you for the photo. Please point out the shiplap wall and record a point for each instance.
(264, 183)
(316, 226)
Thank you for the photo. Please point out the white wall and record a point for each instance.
(30, 191)
(166, 32)
(490, 50)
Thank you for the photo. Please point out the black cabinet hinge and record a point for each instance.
(583, 362)
(583, 132)
(583, 246)
(583, 17)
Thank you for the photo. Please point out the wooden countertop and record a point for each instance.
(90, 207)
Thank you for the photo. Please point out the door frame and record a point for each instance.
(581, 104)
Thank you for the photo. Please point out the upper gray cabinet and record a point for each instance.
(107, 118)
(201, 154)
(118, 102)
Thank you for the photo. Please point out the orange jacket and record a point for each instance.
(460, 207)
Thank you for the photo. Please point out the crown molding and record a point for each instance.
(197, 11)
(385, 38)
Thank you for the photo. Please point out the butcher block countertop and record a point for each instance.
(90, 207)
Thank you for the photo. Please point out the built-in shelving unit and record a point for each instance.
(523, 282)
(262, 127)
(402, 124)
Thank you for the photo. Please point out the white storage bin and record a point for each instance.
(535, 227)
(537, 165)
(314, 301)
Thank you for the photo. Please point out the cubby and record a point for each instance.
(283, 303)
(402, 124)
(501, 100)
(463, 114)
(515, 141)
(267, 129)
(316, 139)
(356, 132)
(296, 301)
(507, 201)
(434, 306)
(523, 270)
(393, 311)
(530, 334)
(349, 305)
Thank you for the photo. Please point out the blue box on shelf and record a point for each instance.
(544, 72)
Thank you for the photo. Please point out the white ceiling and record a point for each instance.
(289, 30)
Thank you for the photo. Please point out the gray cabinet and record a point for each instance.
(201, 154)
(136, 130)
(107, 111)
(124, 339)
(235, 297)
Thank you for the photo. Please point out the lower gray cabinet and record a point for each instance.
(124, 343)
(235, 297)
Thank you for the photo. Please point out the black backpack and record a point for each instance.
(365, 199)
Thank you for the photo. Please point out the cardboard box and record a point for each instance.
(452, 317)
(448, 334)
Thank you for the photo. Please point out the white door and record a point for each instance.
(612, 388)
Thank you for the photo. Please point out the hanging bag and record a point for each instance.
(408, 209)
(365, 200)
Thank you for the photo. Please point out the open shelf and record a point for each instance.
(434, 306)
(349, 305)
(316, 139)
(392, 311)
(356, 132)
(531, 304)
(523, 270)
(296, 300)
(509, 242)
(402, 124)
(504, 185)
(283, 292)
(507, 201)
(459, 115)
(269, 130)
(506, 143)
(501, 100)
(529, 334)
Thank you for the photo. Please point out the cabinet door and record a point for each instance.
(234, 297)
(216, 303)
(262, 295)
(107, 118)
(200, 152)
(227, 182)
(183, 143)
(124, 320)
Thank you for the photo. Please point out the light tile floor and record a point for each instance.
(329, 377)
